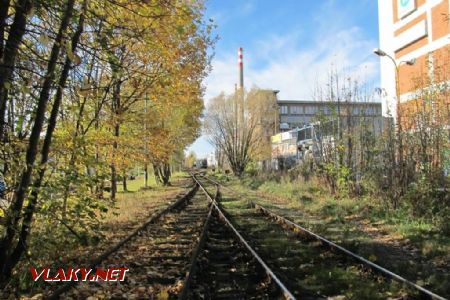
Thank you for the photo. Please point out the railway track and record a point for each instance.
(225, 247)
(225, 270)
(226, 267)
(307, 263)
(188, 251)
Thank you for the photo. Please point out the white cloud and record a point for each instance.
(222, 77)
(296, 70)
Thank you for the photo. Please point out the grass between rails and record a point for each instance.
(395, 239)
(303, 265)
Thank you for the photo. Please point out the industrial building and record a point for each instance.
(297, 113)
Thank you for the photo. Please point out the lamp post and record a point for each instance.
(410, 62)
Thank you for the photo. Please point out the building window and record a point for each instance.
(305, 134)
(296, 110)
(283, 110)
(310, 110)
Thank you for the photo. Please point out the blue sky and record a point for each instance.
(290, 45)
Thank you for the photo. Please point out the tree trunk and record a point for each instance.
(113, 182)
(4, 6)
(11, 117)
(16, 32)
(162, 173)
(166, 174)
(157, 174)
(146, 175)
(31, 207)
(13, 216)
(116, 111)
(124, 182)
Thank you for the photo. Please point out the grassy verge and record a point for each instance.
(411, 246)
(312, 198)
(137, 202)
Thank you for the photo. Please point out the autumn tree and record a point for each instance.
(263, 108)
(190, 159)
(73, 79)
(240, 126)
(10, 252)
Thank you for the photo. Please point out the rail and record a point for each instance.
(286, 293)
(196, 252)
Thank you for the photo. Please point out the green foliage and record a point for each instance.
(429, 200)
(251, 168)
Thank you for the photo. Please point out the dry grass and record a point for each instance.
(410, 246)
(135, 206)
(138, 205)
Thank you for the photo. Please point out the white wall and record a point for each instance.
(211, 159)
(386, 29)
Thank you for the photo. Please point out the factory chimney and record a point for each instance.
(241, 68)
(240, 91)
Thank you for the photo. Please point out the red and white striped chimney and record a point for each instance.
(241, 67)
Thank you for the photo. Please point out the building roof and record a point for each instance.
(325, 102)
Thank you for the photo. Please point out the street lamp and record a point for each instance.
(410, 62)
(379, 52)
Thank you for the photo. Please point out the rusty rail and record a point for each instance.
(377, 268)
(195, 254)
(286, 293)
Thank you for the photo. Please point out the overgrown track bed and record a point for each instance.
(225, 269)
(157, 257)
(228, 268)
(307, 264)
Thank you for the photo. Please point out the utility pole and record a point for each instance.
(276, 109)
(145, 145)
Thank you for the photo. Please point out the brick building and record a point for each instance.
(413, 30)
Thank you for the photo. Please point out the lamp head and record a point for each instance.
(379, 52)
(411, 62)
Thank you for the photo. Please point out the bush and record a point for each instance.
(429, 199)
(251, 169)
